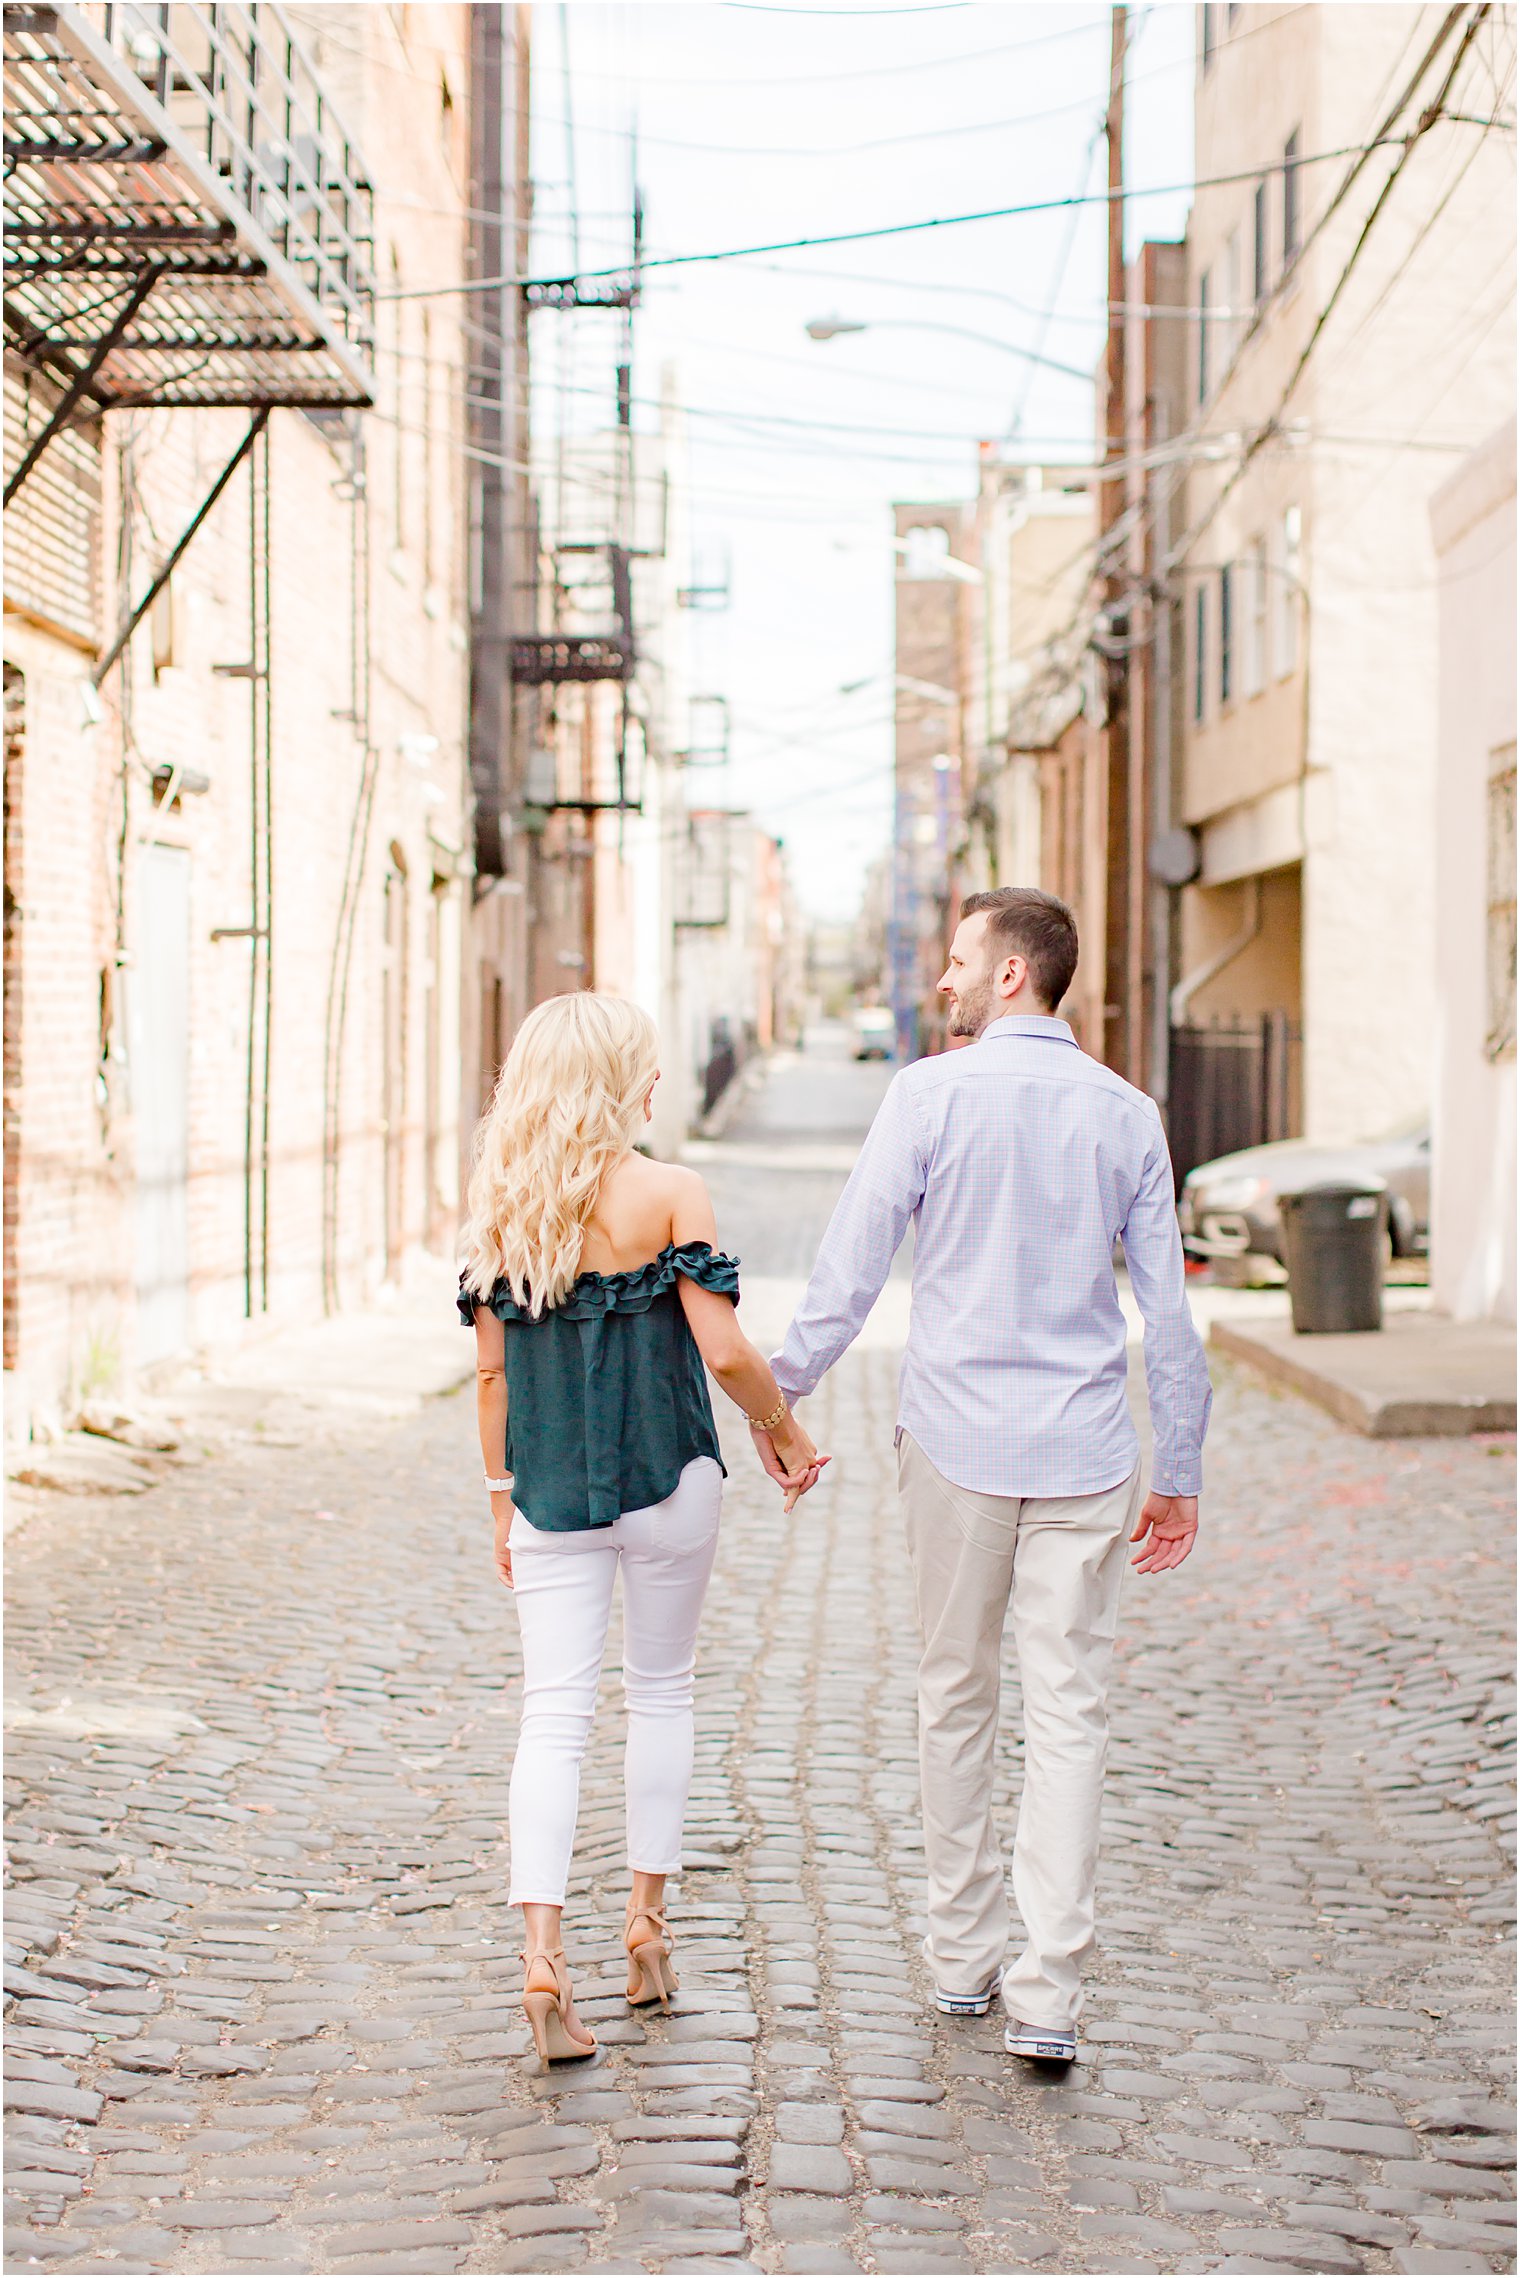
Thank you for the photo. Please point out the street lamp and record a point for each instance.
(830, 328)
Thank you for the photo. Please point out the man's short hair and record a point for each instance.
(1023, 922)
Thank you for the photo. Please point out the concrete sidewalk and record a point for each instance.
(379, 1365)
(1422, 1374)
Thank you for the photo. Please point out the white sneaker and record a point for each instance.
(969, 2004)
(1037, 2041)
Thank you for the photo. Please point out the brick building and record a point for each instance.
(238, 860)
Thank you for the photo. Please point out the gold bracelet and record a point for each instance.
(768, 1423)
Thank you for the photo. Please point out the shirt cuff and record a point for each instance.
(1177, 1479)
(788, 1381)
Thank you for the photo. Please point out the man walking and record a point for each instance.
(1020, 1162)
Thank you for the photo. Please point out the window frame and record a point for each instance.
(1261, 253)
(1287, 636)
(1292, 211)
(1226, 635)
(1200, 653)
(1235, 280)
(1253, 658)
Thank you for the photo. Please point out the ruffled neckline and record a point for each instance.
(633, 1290)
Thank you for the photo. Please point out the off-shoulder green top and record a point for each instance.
(607, 1397)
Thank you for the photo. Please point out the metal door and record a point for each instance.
(161, 1101)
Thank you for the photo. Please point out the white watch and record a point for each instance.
(498, 1486)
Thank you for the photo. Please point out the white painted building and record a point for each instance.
(1472, 1264)
(1354, 342)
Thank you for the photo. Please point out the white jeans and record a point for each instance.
(1061, 1559)
(563, 1586)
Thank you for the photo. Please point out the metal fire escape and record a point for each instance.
(188, 222)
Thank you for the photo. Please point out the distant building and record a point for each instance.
(936, 610)
(1031, 703)
(738, 948)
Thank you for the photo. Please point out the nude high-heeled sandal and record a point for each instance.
(651, 1972)
(547, 2009)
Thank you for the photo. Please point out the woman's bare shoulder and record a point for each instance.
(647, 1174)
(673, 1190)
(644, 1193)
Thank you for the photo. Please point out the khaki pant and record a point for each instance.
(1062, 1560)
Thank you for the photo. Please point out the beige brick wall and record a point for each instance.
(84, 809)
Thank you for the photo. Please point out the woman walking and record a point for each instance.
(596, 1291)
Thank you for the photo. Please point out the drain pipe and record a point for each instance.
(1188, 987)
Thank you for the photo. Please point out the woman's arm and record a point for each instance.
(491, 1413)
(742, 1372)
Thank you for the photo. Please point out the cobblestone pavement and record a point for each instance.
(262, 1976)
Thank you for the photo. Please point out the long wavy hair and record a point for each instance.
(567, 1104)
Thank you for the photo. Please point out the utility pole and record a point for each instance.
(1120, 1043)
(490, 421)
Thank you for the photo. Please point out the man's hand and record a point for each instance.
(796, 1482)
(1171, 1522)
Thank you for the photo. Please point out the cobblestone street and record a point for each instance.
(263, 1976)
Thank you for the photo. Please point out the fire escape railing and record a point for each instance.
(189, 221)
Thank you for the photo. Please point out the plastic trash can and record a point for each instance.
(1335, 1240)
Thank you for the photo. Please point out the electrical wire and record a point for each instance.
(1429, 116)
(1360, 151)
(772, 8)
(1021, 402)
(956, 132)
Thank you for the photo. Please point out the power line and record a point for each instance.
(884, 230)
(772, 8)
(880, 70)
(744, 150)
(1059, 277)
(1409, 143)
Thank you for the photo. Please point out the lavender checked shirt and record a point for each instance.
(1020, 1162)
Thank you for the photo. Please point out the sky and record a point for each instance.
(756, 123)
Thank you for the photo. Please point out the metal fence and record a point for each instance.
(1233, 1084)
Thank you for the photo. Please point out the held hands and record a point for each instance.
(790, 1458)
(1171, 1522)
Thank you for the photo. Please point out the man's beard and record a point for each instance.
(972, 1009)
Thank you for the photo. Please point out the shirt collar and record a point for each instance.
(1031, 1024)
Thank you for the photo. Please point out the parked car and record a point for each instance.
(1229, 1208)
(875, 1032)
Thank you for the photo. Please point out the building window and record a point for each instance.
(425, 450)
(1500, 1042)
(1210, 33)
(1260, 247)
(1226, 633)
(1201, 654)
(1233, 289)
(399, 408)
(1253, 661)
(1290, 218)
(1203, 337)
(1289, 593)
(926, 550)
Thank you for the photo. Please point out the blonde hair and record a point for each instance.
(566, 1106)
